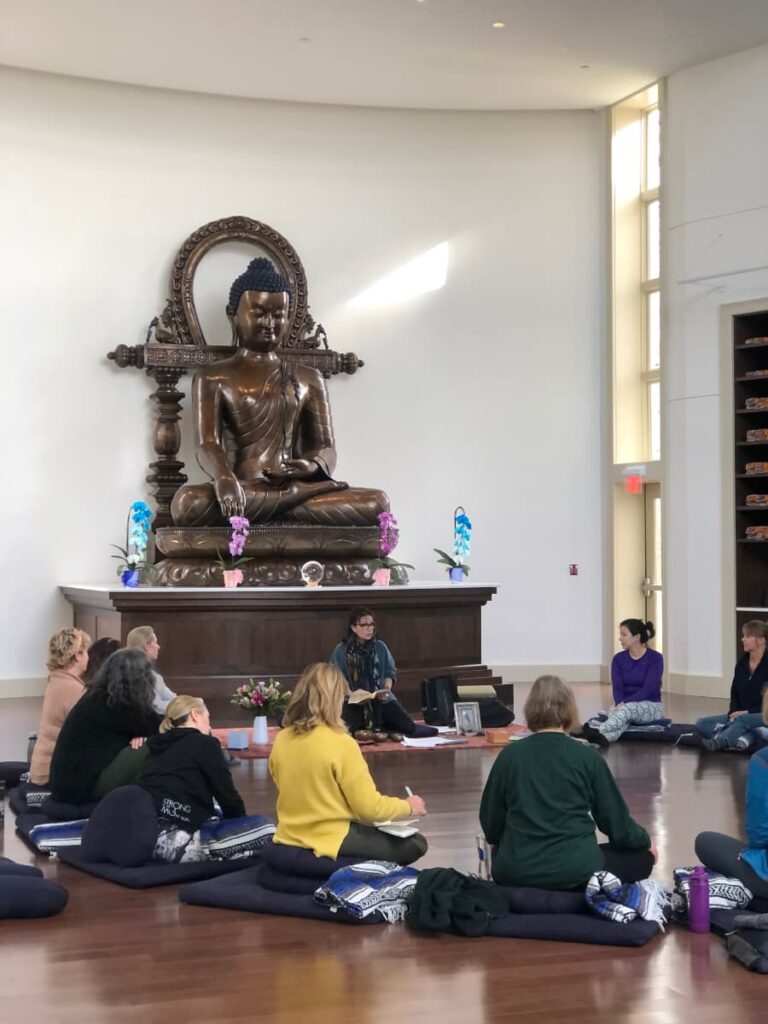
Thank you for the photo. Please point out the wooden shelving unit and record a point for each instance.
(751, 555)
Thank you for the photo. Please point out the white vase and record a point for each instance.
(260, 733)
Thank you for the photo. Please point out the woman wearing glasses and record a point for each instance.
(368, 667)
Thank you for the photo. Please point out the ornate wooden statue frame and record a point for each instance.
(175, 342)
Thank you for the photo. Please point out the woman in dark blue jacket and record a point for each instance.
(735, 731)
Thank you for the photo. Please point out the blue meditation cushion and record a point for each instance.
(296, 860)
(277, 881)
(22, 897)
(241, 891)
(11, 772)
(10, 867)
(122, 830)
(147, 876)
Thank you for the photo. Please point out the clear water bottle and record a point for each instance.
(698, 900)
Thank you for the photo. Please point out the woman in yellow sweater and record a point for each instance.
(327, 799)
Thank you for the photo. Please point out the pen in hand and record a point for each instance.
(417, 805)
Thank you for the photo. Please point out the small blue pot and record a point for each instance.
(130, 577)
(456, 575)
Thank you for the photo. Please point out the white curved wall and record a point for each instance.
(486, 392)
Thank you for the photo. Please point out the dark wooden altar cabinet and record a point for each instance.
(212, 639)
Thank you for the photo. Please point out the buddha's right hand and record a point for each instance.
(230, 496)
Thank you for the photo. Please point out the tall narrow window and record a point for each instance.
(637, 354)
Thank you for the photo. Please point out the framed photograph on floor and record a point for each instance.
(467, 715)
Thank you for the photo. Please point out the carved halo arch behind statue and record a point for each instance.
(176, 343)
(181, 303)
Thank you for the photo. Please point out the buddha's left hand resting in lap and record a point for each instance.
(279, 417)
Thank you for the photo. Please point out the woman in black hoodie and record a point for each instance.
(187, 776)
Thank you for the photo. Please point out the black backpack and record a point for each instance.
(494, 714)
(438, 695)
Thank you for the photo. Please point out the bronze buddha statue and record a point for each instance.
(279, 418)
(277, 471)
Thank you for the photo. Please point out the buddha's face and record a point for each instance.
(260, 319)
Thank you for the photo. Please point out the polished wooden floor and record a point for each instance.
(118, 956)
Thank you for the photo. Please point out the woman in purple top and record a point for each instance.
(636, 673)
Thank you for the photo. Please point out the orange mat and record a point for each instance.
(255, 751)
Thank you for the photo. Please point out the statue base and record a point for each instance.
(283, 540)
(274, 554)
(260, 572)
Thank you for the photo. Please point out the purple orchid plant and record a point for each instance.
(389, 535)
(240, 527)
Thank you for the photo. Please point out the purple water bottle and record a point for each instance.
(698, 900)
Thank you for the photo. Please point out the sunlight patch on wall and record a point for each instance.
(426, 273)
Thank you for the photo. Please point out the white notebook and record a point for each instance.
(402, 829)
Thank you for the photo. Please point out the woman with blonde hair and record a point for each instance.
(186, 775)
(67, 661)
(327, 801)
(543, 798)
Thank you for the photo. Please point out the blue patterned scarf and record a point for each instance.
(362, 664)
(608, 897)
(373, 886)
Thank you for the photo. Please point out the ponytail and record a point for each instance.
(178, 711)
(645, 630)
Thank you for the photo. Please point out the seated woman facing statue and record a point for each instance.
(102, 742)
(370, 671)
(186, 774)
(67, 664)
(279, 417)
(327, 801)
(544, 796)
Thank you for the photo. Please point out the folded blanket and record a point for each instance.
(724, 893)
(608, 897)
(57, 834)
(369, 887)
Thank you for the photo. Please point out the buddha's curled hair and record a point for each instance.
(261, 276)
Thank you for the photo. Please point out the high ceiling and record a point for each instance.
(441, 54)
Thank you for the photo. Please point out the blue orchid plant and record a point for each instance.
(133, 556)
(462, 541)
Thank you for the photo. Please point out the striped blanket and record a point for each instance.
(373, 886)
(617, 901)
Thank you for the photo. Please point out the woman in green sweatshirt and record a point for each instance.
(545, 795)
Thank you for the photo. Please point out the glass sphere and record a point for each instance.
(312, 573)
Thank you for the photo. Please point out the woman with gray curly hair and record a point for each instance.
(67, 661)
(101, 743)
